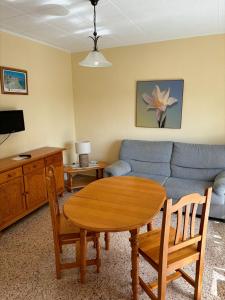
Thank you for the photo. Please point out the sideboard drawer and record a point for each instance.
(6, 176)
(38, 164)
(56, 158)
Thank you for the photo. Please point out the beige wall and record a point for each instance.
(49, 107)
(105, 98)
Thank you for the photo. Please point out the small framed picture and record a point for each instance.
(13, 81)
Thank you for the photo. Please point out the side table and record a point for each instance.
(76, 177)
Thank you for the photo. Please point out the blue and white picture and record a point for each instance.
(159, 103)
(13, 81)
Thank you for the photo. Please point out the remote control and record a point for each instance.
(25, 155)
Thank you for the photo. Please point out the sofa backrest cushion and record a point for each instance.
(147, 157)
(197, 161)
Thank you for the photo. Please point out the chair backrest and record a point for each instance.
(53, 200)
(185, 231)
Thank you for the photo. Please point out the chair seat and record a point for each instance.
(67, 227)
(149, 247)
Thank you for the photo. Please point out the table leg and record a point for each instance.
(78, 252)
(69, 182)
(99, 173)
(83, 254)
(134, 263)
(149, 226)
(61, 194)
(107, 240)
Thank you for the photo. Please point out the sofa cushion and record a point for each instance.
(147, 157)
(153, 168)
(196, 161)
(118, 168)
(158, 178)
(219, 184)
(177, 188)
(194, 173)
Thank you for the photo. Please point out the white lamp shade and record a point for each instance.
(95, 59)
(83, 147)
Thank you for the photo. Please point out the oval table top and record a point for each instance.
(114, 204)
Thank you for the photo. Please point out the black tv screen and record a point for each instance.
(11, 121)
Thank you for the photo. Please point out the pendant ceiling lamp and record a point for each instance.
(95, 59)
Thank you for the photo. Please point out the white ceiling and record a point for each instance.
(68, 23)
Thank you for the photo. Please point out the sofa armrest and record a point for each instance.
(219, 184)
(118, 168)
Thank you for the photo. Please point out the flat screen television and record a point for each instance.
(11, 121)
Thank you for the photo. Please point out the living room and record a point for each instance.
(68, 103)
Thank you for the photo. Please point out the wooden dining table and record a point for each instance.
(115, 204)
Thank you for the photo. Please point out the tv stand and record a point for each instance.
(22, 183)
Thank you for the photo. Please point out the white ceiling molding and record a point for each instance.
(34, 40)
(66, 24)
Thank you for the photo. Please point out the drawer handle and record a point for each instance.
(10, 175)
(34, 166)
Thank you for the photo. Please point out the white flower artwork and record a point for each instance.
(159, 100)
(162, 102)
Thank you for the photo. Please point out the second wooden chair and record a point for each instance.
(169, 249)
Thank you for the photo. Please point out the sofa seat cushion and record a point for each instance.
(158, 178)
(177, 188)
(147, 157)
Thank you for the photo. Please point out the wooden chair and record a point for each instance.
(170, 249)
(64, 232)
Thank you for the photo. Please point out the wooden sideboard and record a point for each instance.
(22, 183)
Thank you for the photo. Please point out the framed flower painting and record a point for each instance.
(159, 103)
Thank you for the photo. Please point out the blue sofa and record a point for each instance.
(181, 168)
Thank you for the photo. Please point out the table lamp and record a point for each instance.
(83, 148)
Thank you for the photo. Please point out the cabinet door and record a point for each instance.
(56, 161)
(35, 184)
(12, 201)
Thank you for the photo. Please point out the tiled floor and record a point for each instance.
(27, 266)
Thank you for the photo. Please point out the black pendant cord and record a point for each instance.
(95, 30)
(95, 36)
